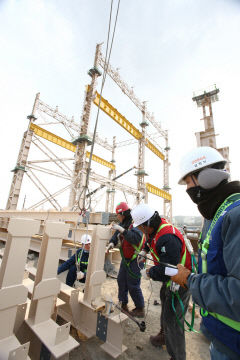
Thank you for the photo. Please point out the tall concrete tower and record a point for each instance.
(204, 99)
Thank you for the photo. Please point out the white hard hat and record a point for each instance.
(141, 213)
(197, 159)
(86, 239)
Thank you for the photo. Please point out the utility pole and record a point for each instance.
(19, 170)
(80, 166)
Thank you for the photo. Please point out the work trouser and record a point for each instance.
(174, 334)
(127, 283)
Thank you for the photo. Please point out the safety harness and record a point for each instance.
(176, 293)
(80, 262)
(128, 262)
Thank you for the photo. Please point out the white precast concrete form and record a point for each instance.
(82, 309)
(34, 325)
(12, 293)
(31, 321)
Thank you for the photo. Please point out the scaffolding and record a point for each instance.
(81, 138)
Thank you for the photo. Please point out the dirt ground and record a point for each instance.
(137, 342)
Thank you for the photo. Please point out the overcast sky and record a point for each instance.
(164, 49)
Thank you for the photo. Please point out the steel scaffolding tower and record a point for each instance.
(80, 167)
(141, 160)
(80, 139)
(141, 105)
(19, 169)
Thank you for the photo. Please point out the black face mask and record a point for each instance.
(197, 194)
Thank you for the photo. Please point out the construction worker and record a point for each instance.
(166, 245)
(216, 289)
(129, 277)
(81, 256)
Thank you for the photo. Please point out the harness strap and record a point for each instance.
(159, 229)
(204, 250)
(190, 326)
(127, 265)
(232, 323)
(220, 212)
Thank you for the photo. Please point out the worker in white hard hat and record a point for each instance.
(166, 245)
(80, 260)
(216, 288)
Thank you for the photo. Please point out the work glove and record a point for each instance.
(80, 275)
(144, 273)
(141, 257)
(109, 247)
(117, 227)
(182, 276)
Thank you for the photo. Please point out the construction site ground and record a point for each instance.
(137, 342)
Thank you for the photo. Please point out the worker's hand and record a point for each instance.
(117, 227)
(80, 275)
(141, 256)
(182, 275)
(144, 273)
(109, 247)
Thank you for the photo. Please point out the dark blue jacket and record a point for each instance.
(72, 260)
(218, 290)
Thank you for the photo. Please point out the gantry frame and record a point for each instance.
(79, 147)
(141, 105)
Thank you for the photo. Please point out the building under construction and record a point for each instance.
(29, 305)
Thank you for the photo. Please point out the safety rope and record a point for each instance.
(107, 56)
(85, 189)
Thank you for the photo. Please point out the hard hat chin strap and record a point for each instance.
(192, 177)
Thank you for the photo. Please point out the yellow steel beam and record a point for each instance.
(47, 135)
(122, 121)
(52, 137)
(154, 149)
(116, 116)
(159, 192)
(101, 161)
